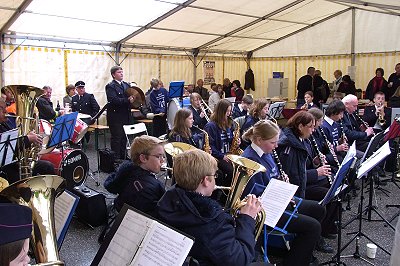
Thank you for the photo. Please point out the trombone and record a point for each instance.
(204, 108)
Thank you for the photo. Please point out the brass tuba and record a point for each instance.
(243, 170)
(26, 98)
(39, 193)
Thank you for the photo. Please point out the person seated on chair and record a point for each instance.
(216, 96)
(15, 231)
(372, 113)
(308, 98)
(70, 90)
(11, 171)
(220, 238)
(199, 116)
(135, 181)
(347, 86)
(351, 124)
(242, 109)
(258, 111)
(183, 130)
(45, 106)
(264, 137)
(220, 133)
(10, 101)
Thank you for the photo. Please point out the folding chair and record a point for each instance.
(240, 120)
(275, 109)
(131, 131)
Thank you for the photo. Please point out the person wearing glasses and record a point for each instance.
(220, 238)
(264, 136)
(135, 182)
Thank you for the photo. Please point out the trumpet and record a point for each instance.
(381, 118)
(305, 106)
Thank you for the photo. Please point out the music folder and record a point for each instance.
(137, 239)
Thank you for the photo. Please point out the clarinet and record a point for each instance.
(320, 156)
(364, 125)
(283, 176)
(330, 147)
(343, 138)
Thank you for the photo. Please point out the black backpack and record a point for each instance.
(107, 160)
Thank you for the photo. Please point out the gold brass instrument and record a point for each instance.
(205, 109)
(138, 94)
(3, 183)
(381, 118)
(26, 98)
(207, 147)
(320, 157)
(243, 170)
(235, 147)
(175, 148)
(305, 106)
(39, 193)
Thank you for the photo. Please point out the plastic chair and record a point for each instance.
(275, 109)
(131, 131)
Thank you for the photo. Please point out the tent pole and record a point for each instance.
(1, 62)
(353, 36)
(117, 50)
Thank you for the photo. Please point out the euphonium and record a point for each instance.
(175, 148)
(243, 170)
(235, 147)
(206, 147)
(39, 193)
(26, 98)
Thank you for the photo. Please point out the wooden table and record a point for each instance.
(97, 129)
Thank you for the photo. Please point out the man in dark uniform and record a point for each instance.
(372, 113)
(118, 111)
(45, 106)
(83, 102)
(304, 84)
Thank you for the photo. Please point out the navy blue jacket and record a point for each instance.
(236, 111)
(158, 100)
(396, 83)
(45, 108)
(219, 239)
(293, 156)
(370, 116)
(352, 128)
(87, 104)
(138, 188)
(261, 178)
(197, 120)
(196, 139)
(216, 142)
(119, 109)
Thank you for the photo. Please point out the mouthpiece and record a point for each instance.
(221, 188)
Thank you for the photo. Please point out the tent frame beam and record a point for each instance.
(251, 23)
(159, 19)
(363, 3)
(16, 15)
(303, 29)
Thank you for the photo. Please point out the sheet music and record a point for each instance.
(12, 135)
(163, 246)
(62, 209)
(275, 198)
(127, 239)
(374, 160)
(351, 153)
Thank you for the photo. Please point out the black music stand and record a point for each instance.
(365, 167)
(275, 110)
(8, 143)
(333, 193)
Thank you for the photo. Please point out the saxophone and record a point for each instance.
(235, 149)
(206, 147)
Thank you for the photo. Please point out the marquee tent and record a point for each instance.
(57, 42)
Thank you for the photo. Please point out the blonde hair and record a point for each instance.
(191, 167)
(143, 145)
(264, 129)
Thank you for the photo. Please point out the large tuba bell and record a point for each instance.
(26, 98)
(243, 170)
(175, 148)
(39, 193)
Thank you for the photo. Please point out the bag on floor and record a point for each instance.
(107, 160)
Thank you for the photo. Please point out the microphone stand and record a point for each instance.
(92, 120)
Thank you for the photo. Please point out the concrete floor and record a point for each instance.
(80, 245)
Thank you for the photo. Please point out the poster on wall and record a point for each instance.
(209, 71)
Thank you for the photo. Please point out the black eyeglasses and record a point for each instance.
(161, 157)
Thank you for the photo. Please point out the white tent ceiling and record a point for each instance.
(231, 26)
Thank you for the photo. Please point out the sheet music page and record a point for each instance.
(275, 199)
(127, 239)
(62, 209)
(373, 160)
(13, 143)
(351, 153)
(163, 246)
